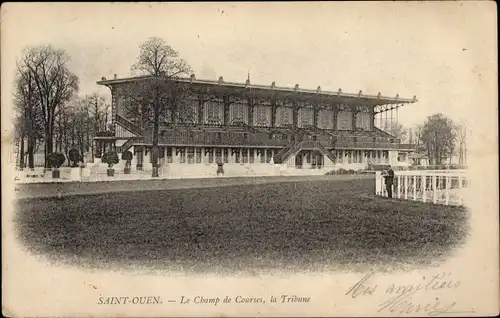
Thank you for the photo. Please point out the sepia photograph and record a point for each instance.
(250, 159)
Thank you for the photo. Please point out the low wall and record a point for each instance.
(98, 172)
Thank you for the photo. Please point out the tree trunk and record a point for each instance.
(21, 152)
(31, 150)
(46, 147)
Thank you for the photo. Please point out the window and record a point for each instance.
(308, 157)
(252, 158)
(237, 156)
(262, 155)
(226, 155)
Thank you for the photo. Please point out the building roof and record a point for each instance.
(374, 99)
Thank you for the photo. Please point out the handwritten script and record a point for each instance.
(421, 297)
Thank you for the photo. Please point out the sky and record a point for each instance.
(443, 52)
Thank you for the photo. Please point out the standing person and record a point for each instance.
(389, 180)
(220, 167)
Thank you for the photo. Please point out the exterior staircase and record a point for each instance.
(127, 124)
(287, 152)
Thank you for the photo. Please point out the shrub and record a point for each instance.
(56, 160)
(74, 156)
(110, 158)
(127, 155)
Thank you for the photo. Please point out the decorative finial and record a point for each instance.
(296, 87)
(414, 98)
(273, 85)
(360, 93)
(397, 97)
(379, 95)
(116, 76)
(103, 78)
(339, 92)
(192, 78)
(248, 79)
(221, 80)
(318, 90)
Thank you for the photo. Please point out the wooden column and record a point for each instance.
(250, 111)
(274, 108)
(227, 103)
(335, 111)
(372, 119)
(295, 113)
(114, 105)
(315, 115)
(201, 112)
(354, 114)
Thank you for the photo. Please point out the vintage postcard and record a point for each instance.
(250, 159)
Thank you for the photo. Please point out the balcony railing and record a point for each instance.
(266, 139)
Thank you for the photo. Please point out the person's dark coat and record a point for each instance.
(220, 167)
(389, 177)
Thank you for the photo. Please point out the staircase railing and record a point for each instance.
(127, 124)
(326, 152)
(288, 152)
(161, 161)
(126, 146)
(305, 144)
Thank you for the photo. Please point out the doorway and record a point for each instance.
(298, 161)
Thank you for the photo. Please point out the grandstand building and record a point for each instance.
(257, 127)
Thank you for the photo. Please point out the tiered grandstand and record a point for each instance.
(257, 126)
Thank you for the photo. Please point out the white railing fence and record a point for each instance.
(436, 186)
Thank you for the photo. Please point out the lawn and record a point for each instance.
(296, 226)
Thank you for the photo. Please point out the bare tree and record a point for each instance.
(99, 111)
(397, 130)
(438, 137)
(461, 131)
(28, 119)
(160, 95)
(54, 84)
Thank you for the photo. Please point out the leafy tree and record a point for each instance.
(159, 95)
(54, 84)
(438, 138)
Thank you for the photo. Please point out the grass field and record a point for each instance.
(307, 225)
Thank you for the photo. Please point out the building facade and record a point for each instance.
(256, 126)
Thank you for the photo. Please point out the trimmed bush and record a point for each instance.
(74, 157)
(56, 160)
(110, 158)
(127, 155)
